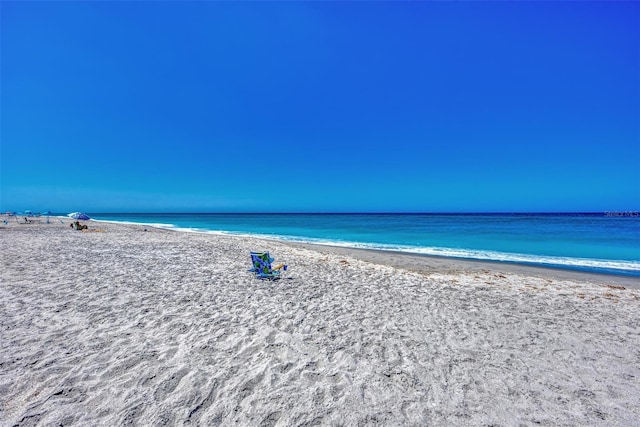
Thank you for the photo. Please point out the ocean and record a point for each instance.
(595, 242)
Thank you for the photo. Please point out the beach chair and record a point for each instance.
(261, 262)
(257, 258)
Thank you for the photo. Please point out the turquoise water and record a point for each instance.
(608, 243)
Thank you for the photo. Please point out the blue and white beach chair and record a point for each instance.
(261, 266)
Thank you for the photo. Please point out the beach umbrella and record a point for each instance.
(48, 214)
(28, 212)
(79, 215)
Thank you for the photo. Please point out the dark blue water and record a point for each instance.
(592, 242)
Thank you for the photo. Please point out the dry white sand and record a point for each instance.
(127, 327)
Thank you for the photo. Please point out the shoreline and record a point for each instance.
(427, 263)
(420, 263)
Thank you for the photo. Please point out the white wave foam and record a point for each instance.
(588, 263)
(529, 259)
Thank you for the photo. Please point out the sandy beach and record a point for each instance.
(127, 325)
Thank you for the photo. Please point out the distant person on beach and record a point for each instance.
(77, 226)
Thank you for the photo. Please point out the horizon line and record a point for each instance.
(605, 212)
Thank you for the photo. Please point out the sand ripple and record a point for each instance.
(128, 327)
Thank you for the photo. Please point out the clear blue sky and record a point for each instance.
(320, 106)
